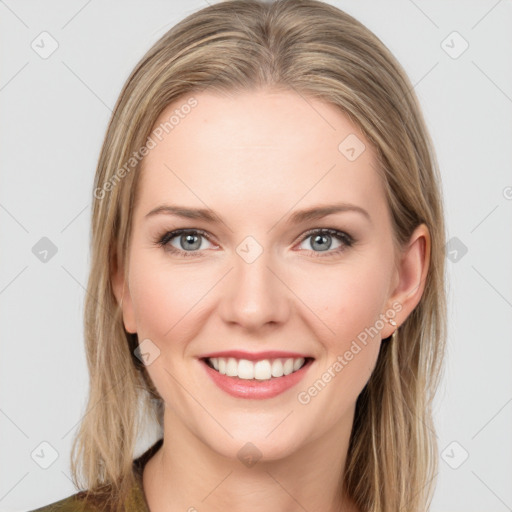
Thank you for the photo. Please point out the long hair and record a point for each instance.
(321, 52)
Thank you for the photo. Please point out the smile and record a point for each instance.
(260, 370)
(256, 378)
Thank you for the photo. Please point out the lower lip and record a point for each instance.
(253, 388)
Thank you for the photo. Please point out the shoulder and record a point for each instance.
(135, 501)
(73, 503)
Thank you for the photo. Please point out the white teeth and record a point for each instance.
(245, 369)
(262, 370)
(232, 367)
(297, 363)
(288, 367)
(259, 370)
(277, 368)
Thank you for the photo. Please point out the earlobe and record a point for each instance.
(122, 295)
(412, 274)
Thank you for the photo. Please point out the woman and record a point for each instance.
(267, 274)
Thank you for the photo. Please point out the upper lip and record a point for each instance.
(255, 356)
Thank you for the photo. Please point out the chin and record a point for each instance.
(261, 443)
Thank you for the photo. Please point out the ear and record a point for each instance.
(410, 278)
(122, 294)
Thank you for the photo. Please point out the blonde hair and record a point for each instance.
(321, 52)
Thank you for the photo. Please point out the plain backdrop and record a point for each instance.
(54, 113)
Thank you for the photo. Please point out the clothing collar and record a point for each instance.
(137, 499)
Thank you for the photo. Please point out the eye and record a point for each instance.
(322, 239)
(188, 241)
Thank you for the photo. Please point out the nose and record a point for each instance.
(255, 295)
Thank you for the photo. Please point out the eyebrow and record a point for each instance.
(208, 215)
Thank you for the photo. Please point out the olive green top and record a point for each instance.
(136, 501)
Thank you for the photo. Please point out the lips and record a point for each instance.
(255, 375)
(255, 356)
(261, 370)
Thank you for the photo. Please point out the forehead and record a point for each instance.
(256, 150)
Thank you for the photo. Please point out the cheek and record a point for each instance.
(164, 298)
(345, 300)
(350, 305)
(167, 308)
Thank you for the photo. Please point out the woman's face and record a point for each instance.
(254, 276)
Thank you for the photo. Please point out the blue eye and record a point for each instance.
(188, 239)
(321, 239)
(190, 242)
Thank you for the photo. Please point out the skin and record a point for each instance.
(255, 158)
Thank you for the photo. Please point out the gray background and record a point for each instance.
(54, 115)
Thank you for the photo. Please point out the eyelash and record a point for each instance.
(345, 238)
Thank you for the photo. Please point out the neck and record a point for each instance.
(188, 475)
